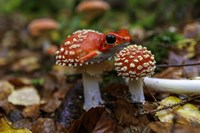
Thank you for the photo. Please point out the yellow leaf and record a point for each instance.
(167, 114)
(5, 127)
(187, 111)
(188, 45)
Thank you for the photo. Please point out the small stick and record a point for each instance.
(155, 100)
(178, 65)
(144, 112)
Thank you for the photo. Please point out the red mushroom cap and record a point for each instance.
(135, 62)
(77, 45)
(39, 25)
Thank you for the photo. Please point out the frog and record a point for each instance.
(89, 46)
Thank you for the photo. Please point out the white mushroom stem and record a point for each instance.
(45, 44)
(181, 86)
(92, 95)
(136, 90)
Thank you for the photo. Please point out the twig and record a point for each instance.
(178, 65)
(184, 101)
(155, 100)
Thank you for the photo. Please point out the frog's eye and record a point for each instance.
(110, 38)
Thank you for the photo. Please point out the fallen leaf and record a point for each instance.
(71, 107)
(167, 115)
(176, 58)
(31, 111)
(125, 114)
(6, 106)
(188, 111)
(105, 124)
(51, 105)
(95, 120)
(122, 109)
(191, 71)
(192, 30)
(3, 61)
(24, 123)
(5, 89)
(27, 64)
(5, 127)
(25, 96)
(171, 73)
(19, 81)
(161, 127)
(188, 46)
(15, 115)
(44, 125)
(54, 81)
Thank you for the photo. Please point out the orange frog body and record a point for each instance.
(84, 45)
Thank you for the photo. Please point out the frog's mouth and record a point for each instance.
(108, 54)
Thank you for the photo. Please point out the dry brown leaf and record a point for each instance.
(192, 71)
(71, 107)
(44, 125)
(171, 73)
(20, 81)
(5, 89)
(27, 64)
(125, 114)
(53, 81)
(3, 61)
(95, 120)
(31, 111)
(192, 30)
(160, 127)
(23, 123)
(6, 106)
(51, 105)
(105, 124)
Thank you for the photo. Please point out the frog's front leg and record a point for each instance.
(90, 56)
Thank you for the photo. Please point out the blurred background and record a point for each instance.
(40, 26)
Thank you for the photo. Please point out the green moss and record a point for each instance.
(161, 43)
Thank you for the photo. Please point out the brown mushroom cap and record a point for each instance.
(92, 8)
(135, 62)
(36, 27)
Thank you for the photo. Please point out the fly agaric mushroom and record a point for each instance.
(135, 62)
(88, 51)
(41, 27)
(92, 8)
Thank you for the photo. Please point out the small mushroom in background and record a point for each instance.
(89, 51)
(135, 62)
(92, 8)
(41, 28)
